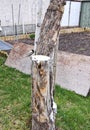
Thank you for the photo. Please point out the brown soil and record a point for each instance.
(78, 43)
(27, 41)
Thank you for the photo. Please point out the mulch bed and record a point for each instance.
(78, 43)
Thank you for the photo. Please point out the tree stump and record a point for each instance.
(43, 106)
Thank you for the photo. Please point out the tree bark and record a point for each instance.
(50, 28)
(42, 112)
(42, 98)
(40, 13)
(48, 40)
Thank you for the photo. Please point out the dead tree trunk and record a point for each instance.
(46, 45)
(50, 28)
(49, 34)
(42, 113)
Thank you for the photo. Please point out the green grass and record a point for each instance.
(15, 91)
(15, 103)
(73, 110)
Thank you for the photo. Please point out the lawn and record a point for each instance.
(15, 103)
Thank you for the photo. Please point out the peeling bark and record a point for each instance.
(48, 40)
(42, 113)
(50, 28)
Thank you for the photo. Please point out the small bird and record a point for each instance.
(30, 53)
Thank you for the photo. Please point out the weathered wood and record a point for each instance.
(49, 34)
(40, 12)
(43, 105)
(50, 28)
(43, 115)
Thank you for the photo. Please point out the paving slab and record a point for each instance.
(18, 58)
(5, 46)
(73, 72)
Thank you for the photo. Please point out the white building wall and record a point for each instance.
(5, 16)
(71, 19)
(26, 11)
(45, 5)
